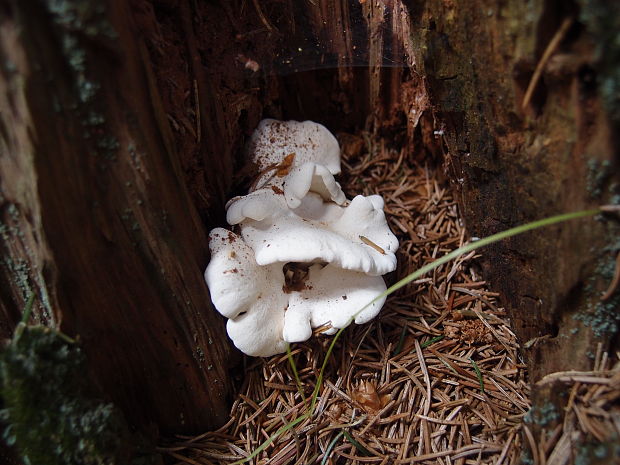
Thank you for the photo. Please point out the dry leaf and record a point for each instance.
(366, 395)
(285, 165)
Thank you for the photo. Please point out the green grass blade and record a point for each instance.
(330, 446)
(431, 342)
(319, 380)
(401, 341)
(291, 362)
(19, 329)
(28, 309)
(477, 245)
(356, 444)
(478, 374)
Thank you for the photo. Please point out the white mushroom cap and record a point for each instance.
(364, 217)
(258, 205)
(273, 141)
(249, 295)
(297, 212)
(331, 295)
(311, 177)
(305, 223)
(263, 317)
(320, 231)
(271, 200)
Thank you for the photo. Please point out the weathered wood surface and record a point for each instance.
(97, 219)
(514, 163)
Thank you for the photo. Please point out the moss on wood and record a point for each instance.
(48, 408)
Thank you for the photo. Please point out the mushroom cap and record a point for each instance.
(273, 141)
(297, 212)
(259, 205)
(308, 222)
(263, 317)
(258, 332)
(311, 177)
(277, 197)
(232, 273)
(364, 217)
(320, 231)
(332, 295)
(249, 295)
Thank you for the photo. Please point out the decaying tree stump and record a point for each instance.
(123, 131)
(97, 219)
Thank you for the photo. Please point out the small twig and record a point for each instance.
(427, 380)
(370, 243)
(555, 41)
(576, 376)
(532, 443)
(182, 458)
(610, 208)
(262, 16)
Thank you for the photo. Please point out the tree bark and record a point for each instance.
(514, 161)
(97, 220)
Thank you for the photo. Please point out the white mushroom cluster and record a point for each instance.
(305, 256)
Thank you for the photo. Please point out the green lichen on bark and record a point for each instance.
(82, 30)
(49, 413)
(542, 415)
(22, 270)
(86, 16)
(79, 22)
(599, 172)
(602, 316)
(594, 453)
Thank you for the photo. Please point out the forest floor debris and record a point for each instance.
(437, 378)
(579, 420)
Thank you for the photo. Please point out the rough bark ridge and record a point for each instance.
(97, 219)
